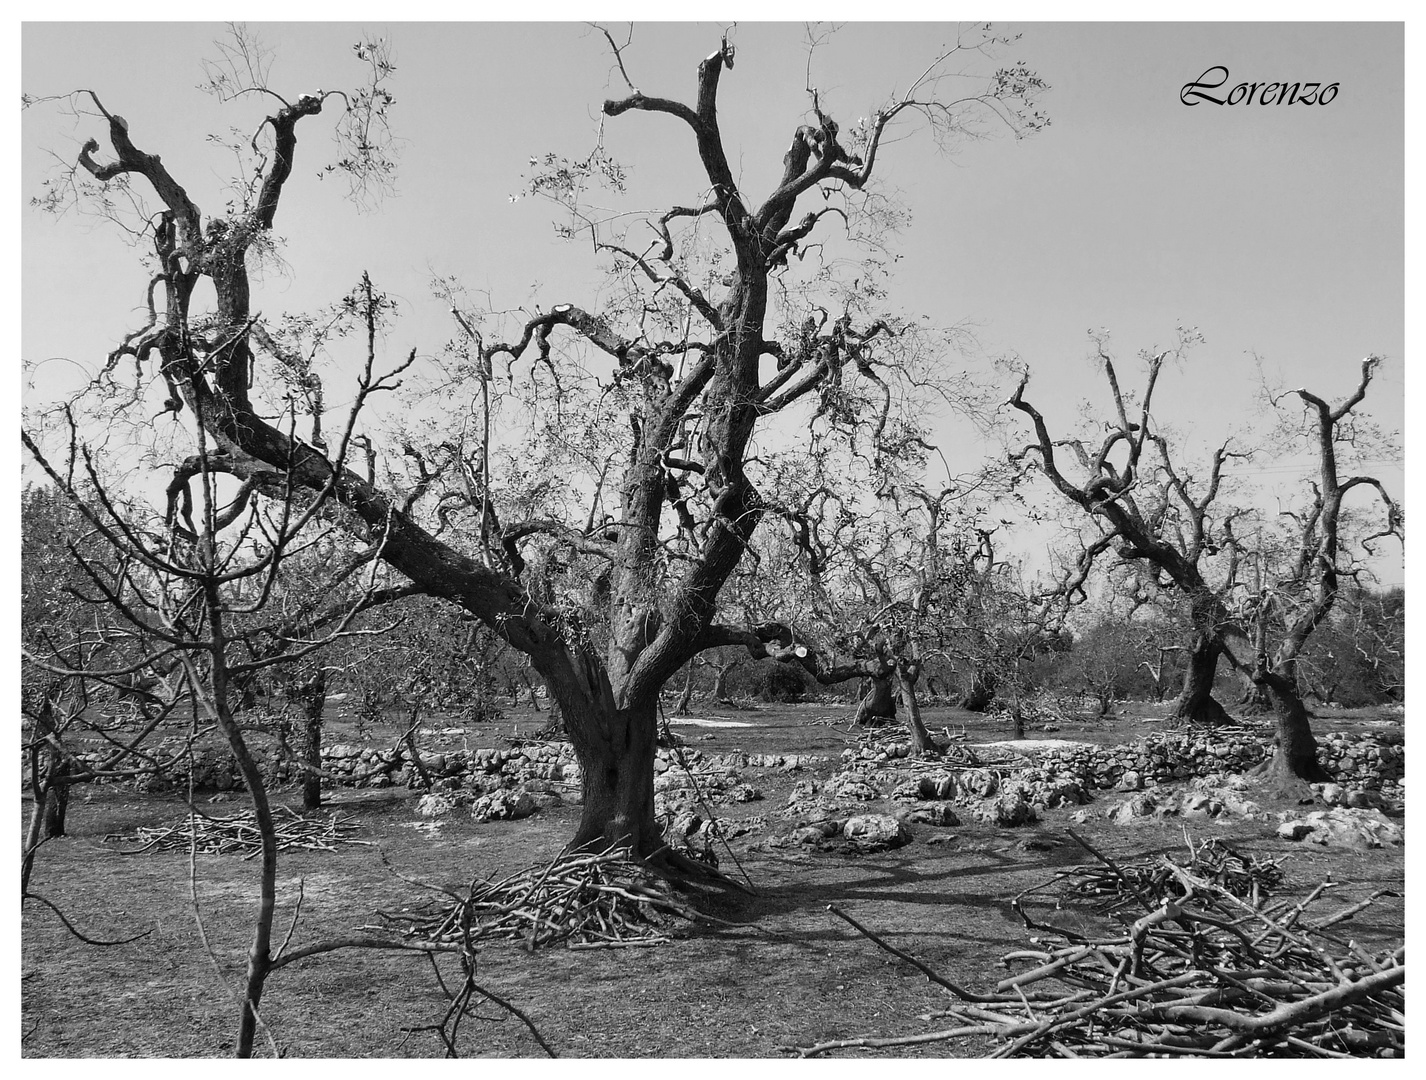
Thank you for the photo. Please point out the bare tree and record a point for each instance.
(747, 345)
(1149, 510)
(692, 401)
(1289, 606)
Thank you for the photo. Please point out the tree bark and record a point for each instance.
(720, 682)
(981, 692)
(878, 704)
(615, 748)
(57, 800)
(1196, 703)
(314, 699)
(686, 697)
(906, 675)
(1294, 759)
(1255, 699)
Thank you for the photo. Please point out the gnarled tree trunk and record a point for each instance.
(878, 704)
(981, 692)
(1196, 703)
(1255, 699)
(57, 803)
(906, 674)
(311, 694)
(615, 748)
(1294, 759)
(720, 680)
(685, 699)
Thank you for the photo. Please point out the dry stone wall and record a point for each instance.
(1374, 762)
(1061, 775)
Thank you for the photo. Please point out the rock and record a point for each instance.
(939, 785)
(1130, 781)
(851, 786)
(1343, 827)
(817, 831)
(744, 793)
(434, 806)
(803, 790)
(1082, 817)
(1200, 805)
(503, 805)
(937, 813)
(876, 832)
(1140, 806)
(1007, 809)
(980, 782)
(1333, 794)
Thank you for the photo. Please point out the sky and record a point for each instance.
(1278, 231)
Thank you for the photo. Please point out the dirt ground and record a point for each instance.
(790, 975)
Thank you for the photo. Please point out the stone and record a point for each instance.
(1200, 805)
(981, 782)
(1130, 781)
(503, 805)
(1140, 806)
(876, 832)
(937, 813)
(817, 831)
(803, 790)
(1360, 830)
(434, 806)
(851, 786)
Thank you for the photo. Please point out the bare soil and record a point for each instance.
(789, 974)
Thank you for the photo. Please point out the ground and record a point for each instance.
(792, 974)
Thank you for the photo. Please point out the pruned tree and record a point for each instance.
(1149, 509)
(1292, 599)
(694, 370)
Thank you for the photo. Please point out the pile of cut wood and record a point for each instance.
(583, 900)
(1210, 968)
(238, 834)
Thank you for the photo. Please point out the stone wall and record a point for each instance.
(1374, 762)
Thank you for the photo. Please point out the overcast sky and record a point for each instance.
(1276, 230)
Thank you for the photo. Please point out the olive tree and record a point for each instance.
(721, 332)
(1293, 599)
(1150, 510)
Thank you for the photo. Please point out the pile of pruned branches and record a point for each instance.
(584, 900)
(1205, 972)
(1118, 886)
(239, 834)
